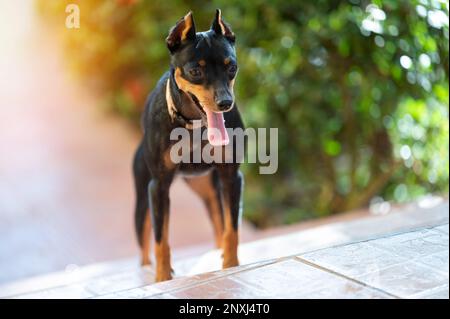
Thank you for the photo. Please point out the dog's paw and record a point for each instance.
(230, 262)
(163, 275)
(146, 262)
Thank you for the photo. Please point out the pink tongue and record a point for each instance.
(217, 133)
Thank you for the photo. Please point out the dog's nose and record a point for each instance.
(224, 104)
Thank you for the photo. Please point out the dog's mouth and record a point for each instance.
(217, 132)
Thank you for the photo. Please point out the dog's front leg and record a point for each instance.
(159, 201)
(232, 182)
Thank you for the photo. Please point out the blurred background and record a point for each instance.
(357, 89)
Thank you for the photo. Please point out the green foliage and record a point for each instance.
(358, 90)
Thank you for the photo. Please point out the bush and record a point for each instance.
(358, 90)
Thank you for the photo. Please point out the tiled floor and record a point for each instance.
(412, 216)
(411, 264)
(406, 265)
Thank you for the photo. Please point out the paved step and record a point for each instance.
(412, 264)
(424, 213)
(111, 278)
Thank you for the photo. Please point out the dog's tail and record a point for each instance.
(142, 178)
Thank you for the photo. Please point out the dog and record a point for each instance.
(197, 88)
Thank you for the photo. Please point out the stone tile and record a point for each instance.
(177, 283)
(438, 261)
(274, 247)
(77, 291)
(291, 280)
(119, 282)
(405, 236)
(405, 280)
(437, 293)
(162, 296)
(154, 290)
(279, 278)
(135, 293)
(408, 265)
(414, 244)
(144, 291)
(283, 279)
(221, 288)
(231, 288)
(348, 290)
(198, 278)
(354, 259)
(65, 278)
(324, 236)
(442, 228)
(291, 244)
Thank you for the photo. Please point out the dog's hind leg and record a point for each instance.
(142, 218)
(208, 188)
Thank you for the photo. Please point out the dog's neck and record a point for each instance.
(180, 104)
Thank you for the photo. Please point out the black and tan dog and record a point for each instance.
(198, 86)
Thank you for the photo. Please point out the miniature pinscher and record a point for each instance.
(198, 88)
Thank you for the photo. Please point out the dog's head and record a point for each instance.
(205, 62)
(205, 65)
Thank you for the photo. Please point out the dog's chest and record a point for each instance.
(193, 154)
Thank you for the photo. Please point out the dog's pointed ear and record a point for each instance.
(183, 31)
(221, 27)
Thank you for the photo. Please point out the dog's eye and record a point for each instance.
(195, 72)
(232, 69)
